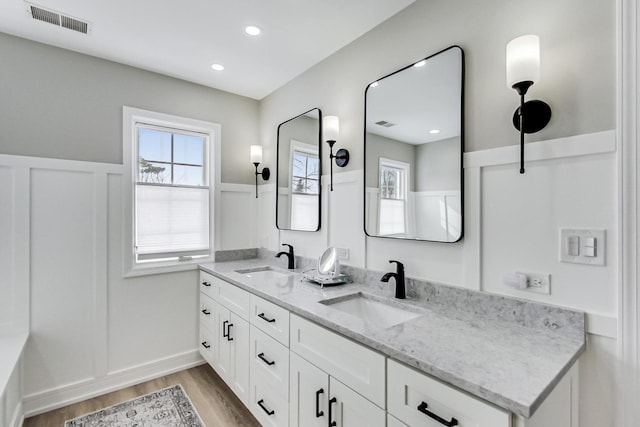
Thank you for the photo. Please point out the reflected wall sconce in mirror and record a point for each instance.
(256, 159)
(331, 133)
(523, 70)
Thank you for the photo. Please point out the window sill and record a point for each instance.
(165, 267)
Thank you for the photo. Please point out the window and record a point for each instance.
(393, 197)
(305, 186)
(169, 165)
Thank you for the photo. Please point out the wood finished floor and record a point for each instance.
(212, 398)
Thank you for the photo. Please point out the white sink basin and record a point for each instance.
(372, 310)
(263, 273)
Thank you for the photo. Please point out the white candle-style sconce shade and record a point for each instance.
(256, 159)
(523, 70)
(256, 154)
(523, 60)
(331, 129)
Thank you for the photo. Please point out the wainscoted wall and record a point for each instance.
(91, 330)
(512, 223)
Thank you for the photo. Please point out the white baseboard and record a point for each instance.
(48, 400)
(18, 417)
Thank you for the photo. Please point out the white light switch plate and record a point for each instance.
(586, 239)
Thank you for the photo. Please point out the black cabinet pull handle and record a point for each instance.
(207, 312)
(264, 359)
(206, 284)
(319, 413)
(261, 404)
(225, 334)
(265, 318)
(331, 402)
(205, 345)
(423, 408)
(229, 338)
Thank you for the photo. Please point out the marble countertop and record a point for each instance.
(510, 364)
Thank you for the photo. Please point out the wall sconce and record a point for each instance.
(523, 70)
(331, 132)
(256, 159)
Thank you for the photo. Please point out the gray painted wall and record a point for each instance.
(301, 129)
(61, 104)
(577, 68)
(438, 165)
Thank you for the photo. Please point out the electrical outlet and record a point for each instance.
(343, 253)
(539, 283)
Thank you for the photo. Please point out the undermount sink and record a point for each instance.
(372, 310)
(263, 273)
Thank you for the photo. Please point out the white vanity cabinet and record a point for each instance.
(224, 332)
(333, 380)
(269, 365)
(292, 372)
(319, 400)
(232, 362)
(418, 400)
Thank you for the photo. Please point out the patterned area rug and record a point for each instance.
(168, 407)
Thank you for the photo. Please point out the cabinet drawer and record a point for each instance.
(410, 390)
(207, 311)
(269, 407)
(207, 284)
(355, 365)
(232, 297)
(206, 344)
(270, 360)
(270, 319)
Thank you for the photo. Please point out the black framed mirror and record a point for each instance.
(413, 151)
(298, 171)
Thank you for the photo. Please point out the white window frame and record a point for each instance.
(130, 117)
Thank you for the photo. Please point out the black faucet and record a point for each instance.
(290, 256)
(399, 276)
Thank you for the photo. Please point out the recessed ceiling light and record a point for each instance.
(252, 30)
(218, 67)
(374, 84)
(434, 131)
(420, 64)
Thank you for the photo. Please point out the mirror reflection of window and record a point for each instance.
(392, 216)
(305, 185)
(298, 170)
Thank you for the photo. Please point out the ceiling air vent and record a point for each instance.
(57, 18)
(385, 123)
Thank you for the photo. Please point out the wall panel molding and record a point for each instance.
(48, 400)
(572, 146)
(628, 159)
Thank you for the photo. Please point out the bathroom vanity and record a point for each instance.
(301, 356)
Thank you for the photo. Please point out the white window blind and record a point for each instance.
(171, 221)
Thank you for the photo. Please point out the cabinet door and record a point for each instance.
(349, 409)
(232, 358)
(309, 391)
(223, 347)
(238, 337)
